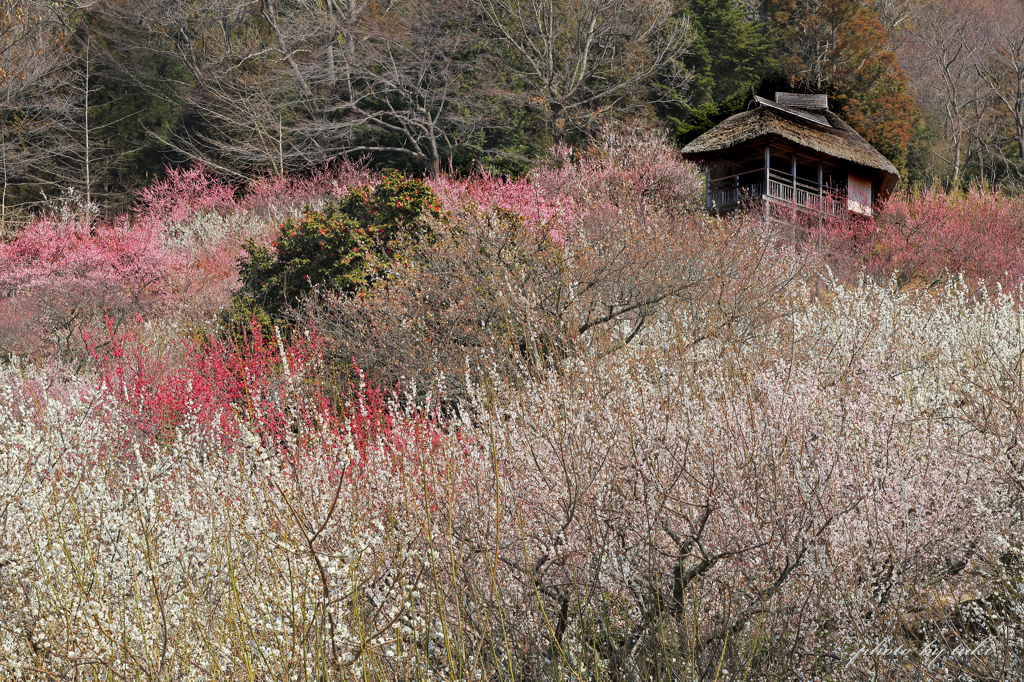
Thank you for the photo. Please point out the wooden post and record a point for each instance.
(767, 166)
(792, 168)
(707, 187)
(821, 202)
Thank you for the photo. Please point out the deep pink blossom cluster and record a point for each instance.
(979, 234)
(187, 192)
(626, 166)
(118, 255)
(59, 279)
(258, 388)
(934, 235)
(173, 256)
(538, 206)
(184, 193)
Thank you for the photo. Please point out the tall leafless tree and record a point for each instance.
(37, 99)
(1002, 69)
(578, 59)
(941, 54)
(19, 67)
(966, 65)
(282, 85)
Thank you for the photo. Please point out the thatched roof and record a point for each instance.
(816, 129)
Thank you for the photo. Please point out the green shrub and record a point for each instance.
(345, 247)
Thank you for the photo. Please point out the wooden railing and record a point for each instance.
(730, 196)
(804, 196)
(804, 199)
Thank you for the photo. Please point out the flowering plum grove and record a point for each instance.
(750, 471)
(931, 237)
(666, 511)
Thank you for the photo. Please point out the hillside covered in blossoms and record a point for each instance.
(359, 425)
(407, 341)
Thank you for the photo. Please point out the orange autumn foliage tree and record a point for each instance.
(843, 47)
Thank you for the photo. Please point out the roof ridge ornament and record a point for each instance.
(802, 100)
(794, 111)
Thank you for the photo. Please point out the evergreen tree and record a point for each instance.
(729, 56)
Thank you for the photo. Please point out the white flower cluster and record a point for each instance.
(852, 469)
(185, 560)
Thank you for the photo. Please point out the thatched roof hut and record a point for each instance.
(802, 129)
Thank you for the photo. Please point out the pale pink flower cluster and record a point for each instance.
(623, 166)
